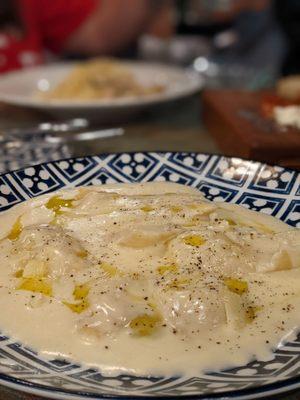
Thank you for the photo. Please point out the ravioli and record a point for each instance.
(137, 277)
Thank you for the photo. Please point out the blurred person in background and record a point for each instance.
(78, 27)
(232, 43)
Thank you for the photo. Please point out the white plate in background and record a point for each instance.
(21, 87)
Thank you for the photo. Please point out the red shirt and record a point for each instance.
(47, 23)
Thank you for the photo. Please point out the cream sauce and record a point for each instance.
(147, 279)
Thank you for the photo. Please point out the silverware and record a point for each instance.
(16, 142)
(72, 125)
(85, 136)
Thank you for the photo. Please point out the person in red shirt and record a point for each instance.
(84, 27)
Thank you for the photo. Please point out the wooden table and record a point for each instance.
(174, 127)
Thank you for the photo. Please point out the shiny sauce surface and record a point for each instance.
(148, 279)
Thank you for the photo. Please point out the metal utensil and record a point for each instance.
(72, 125)
(52, 138)
(85, 136)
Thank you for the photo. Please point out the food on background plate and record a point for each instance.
(149, 279)
(284, 105)
(289, 88)
(287, 116)
(100, 79)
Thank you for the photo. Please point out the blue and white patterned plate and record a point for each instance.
(272, 190)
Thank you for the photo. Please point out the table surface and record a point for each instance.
(173, 127)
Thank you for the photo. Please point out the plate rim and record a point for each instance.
(270, 389)
(277, 387)
(172, 152)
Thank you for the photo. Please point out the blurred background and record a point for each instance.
(231, 44)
